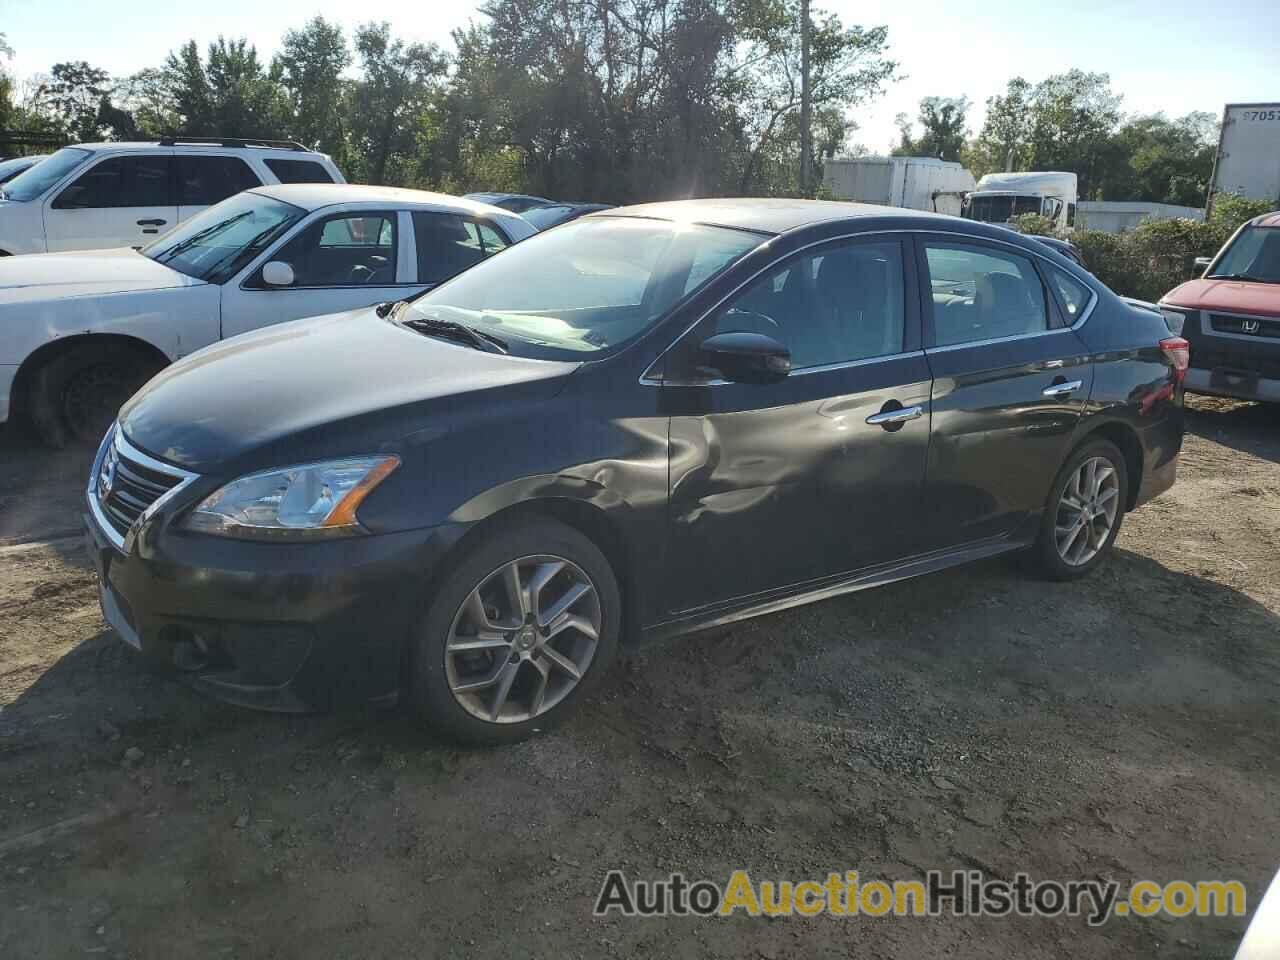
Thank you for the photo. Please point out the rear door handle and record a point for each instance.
(900, 415)
(152, 223)
(1062, 389)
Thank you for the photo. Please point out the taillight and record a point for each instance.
(1178, 351)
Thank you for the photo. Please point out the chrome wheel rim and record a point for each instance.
(1087, 511)
(523, 639)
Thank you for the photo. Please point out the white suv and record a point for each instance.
(97, 195)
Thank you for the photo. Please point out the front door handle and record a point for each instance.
(1062, 389)
(152, 223)
(891, 418)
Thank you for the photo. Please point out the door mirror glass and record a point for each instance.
(277, 273)
(743, 357)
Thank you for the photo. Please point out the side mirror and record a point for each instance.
(277, 273)
(1202, 263)
(743, 357)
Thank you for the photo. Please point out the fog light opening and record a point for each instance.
(192, 651)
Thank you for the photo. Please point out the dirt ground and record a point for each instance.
(1122, 727)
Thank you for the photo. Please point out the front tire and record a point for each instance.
(76, 395)
(524, 626)
(1084, 511)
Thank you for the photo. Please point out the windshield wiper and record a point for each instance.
(458, 332)
(1240, 276)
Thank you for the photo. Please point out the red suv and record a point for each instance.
(1231, 316)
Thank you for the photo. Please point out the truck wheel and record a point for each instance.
(518, 631)
(76, 395)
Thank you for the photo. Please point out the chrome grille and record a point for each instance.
(126, 483)
(1268, 327)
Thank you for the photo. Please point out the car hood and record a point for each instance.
(1228, 296)
(83, 273)
(326, 378)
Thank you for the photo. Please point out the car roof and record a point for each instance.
(487, 197)
(1267, 220)
(313, 196)
(763, 215)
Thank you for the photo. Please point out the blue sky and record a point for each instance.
(1174, 55)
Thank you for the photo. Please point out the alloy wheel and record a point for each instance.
(523, 639)
(1087, 511)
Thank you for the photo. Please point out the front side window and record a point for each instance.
(586, 287)
(204, 181)
(35, 181)
(217, 242)
(1253, 255)
(344, 251)
(836, 305)
(139, 181)
(983, 293)
(448, 244)
(298, 171)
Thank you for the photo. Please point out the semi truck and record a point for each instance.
(999, 197)
(917, 183)
(1248, 157)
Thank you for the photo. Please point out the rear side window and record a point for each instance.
(983, 293)
(204, 181)
(1073, 294)
(298, 171)
(141, 181)
(448, 244)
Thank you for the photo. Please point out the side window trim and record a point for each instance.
(924, 238)
(911, 315)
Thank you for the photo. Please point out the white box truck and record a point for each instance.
(917, 183)
(999, 197)
(1248, 158)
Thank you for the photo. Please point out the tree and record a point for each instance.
(74, 92)
(943, 121)
(230, 95)
(848, 66)
(310, 65)
(6, 87)
(1162, 160)
(399, 81)
(143, 106)
(1004, 142)
(1073, 116)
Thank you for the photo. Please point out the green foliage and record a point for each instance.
(229, 94)
(74, 92)
(1230, 210)
(1035, 224)
(310, 65)
(943, 122)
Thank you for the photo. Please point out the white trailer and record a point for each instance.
(1248, 158)
(1117, 216)
(999, 197)
(917, 183)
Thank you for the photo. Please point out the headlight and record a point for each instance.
(302, 502)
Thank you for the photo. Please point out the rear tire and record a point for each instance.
(1083, 513)
(75, 396)
(527, 656)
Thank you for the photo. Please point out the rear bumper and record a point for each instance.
(1228, 383)
(290, 627)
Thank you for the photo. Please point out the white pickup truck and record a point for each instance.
(81, 331)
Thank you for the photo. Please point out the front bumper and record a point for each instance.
(1241, 384)
(291, 627)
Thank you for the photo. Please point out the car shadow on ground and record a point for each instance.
(1242, 425)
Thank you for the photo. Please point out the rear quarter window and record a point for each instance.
(298, 171)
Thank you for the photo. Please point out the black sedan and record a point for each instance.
(646, 422)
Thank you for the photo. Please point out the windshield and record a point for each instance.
(33, 183)
(217, 242)
(543, 217)
(1254, 253)
(586, 287)
(999, 209)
